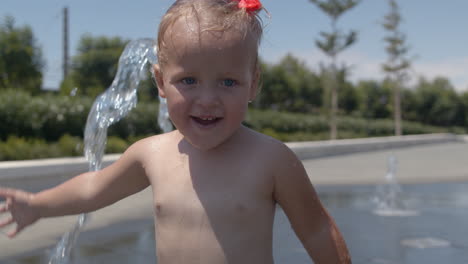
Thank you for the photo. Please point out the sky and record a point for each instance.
(437, 32)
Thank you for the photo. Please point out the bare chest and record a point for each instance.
(236, 191)
(217, 212)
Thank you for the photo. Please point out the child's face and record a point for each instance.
(208, 80)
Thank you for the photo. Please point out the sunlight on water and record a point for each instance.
(108, 108)
(427, 242)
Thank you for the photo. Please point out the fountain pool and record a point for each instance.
(438, 234)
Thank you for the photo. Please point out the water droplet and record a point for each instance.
(74, 91)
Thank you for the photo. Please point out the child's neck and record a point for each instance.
(226, 146)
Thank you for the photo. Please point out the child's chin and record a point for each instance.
(205, 145)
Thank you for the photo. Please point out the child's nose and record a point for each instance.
(208, 97)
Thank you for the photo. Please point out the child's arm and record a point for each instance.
(309, 219)
(84, 193)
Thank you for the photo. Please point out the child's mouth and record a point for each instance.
(206, 121)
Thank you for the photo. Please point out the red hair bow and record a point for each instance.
(250, 5)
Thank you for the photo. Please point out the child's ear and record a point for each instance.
(157, 74)
(255, 88)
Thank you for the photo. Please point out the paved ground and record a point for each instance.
(427, 163)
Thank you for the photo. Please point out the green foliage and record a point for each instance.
(397, 64)
(438, 104)
(116, 145)
(95, 65)
(297, 127)
(289, 86)
(70, 145)
(142, 120)
(464, 109)
(374, 100)
(348, 99)
(20, 58)
(147, 89)
(335, 41)
(335, 8)
(396, 48)
(46, 117)
(18, 148)
(52, 126)
(50, 116)
(331, 44)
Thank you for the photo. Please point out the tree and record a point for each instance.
(464, 101)
(289, 86)
(397, 64)
(348, 100)
(373, 99)
(95, 65)
(333, 43)
(438, 103)
(21, 61)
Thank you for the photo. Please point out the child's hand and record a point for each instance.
(18, 205)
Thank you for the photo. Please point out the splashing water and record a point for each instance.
(388, 195)
(108, 108)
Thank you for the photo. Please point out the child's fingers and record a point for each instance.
(14, 194)
(3, 207)
(6, 206)
(3, 191)
(6, 192)
(14, 232)
(6, 222)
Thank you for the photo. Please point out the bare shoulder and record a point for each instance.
(154, 150)
(153, 143)
(278, 155)
(288, 174)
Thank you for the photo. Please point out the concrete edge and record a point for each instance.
(304, 150)
(320, 149)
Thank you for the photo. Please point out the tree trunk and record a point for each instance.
(334, 108)
(397, 109)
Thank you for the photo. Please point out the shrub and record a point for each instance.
(116, 145)
(51, 116)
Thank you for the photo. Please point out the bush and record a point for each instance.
(306, 127)
(70, 146)
(47, 117)
(116, 145)
(52, 126)
(16, 148)
(50, 116)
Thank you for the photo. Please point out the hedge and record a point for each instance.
(52, 126)
(48, 117)
(301, 127)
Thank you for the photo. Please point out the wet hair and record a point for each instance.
(211, 15)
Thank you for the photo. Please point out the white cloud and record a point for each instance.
(455, 69)
(365, 67)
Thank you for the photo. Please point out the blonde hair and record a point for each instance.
(211, 15)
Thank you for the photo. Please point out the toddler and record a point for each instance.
(215, 182)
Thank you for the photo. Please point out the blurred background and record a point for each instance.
(357, 69)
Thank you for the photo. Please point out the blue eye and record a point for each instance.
(229, 82)
(189, 81)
